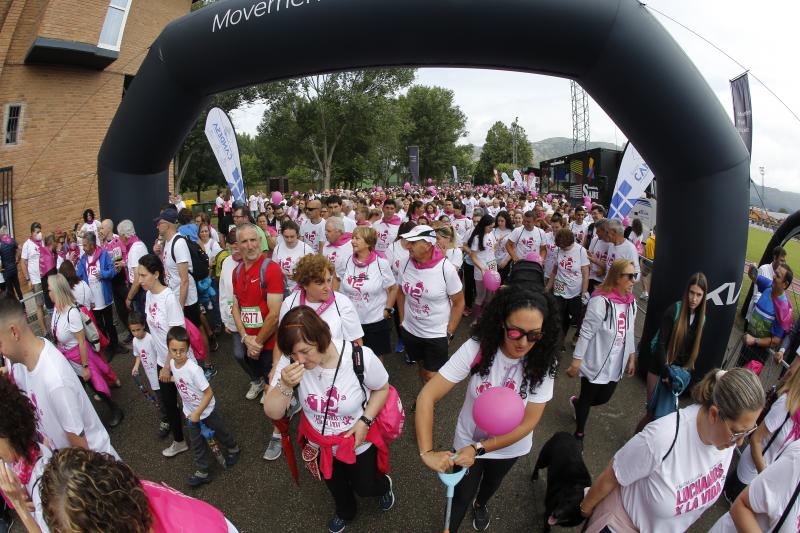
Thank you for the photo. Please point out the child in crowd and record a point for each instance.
(145, 354)
(198, 406)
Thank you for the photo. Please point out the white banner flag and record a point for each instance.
(222, 138)
(455, 174)
(634, 177)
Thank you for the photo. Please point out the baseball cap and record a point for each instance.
(420, 233)
(169, 214)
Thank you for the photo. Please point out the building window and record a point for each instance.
(6, 193)
(13, 119)
(114, 25)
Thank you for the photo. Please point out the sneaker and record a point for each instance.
(209, 372)
(213, 344)
(572, 404)
(336, 524)
(175, 448)
(409, 361)
(399, 347)
(386, 501)
(163, 429)
(294, 407)
(198, 478)
(481, 517)
(232, 458)
(256, 388)
(273, 450)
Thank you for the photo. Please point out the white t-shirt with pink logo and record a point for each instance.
(60, 402)
(550, 260)
(163, 312)
(486, 256)
(173, 278)
(346, 396)
(579, 230)
(366, 288)
(427, 294)
(598, 248)
(626, 250)
(313, 234)
(569, 278)
(338, 256)
(670, 495)
(397, 256)
(527, 241)
(191, 384)
(463, 228)
(387, 233)
(505, 372)
(341, 316)
(145, 350)
(287, 258)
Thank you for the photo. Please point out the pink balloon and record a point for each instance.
(491, 280)
(407, 186)
(498, 410)
(296, 193)
(277, 197)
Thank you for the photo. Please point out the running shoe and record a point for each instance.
(213, 344)
(481, 517)
(273, 450)
(175, 448)
(399, 347)
(209, 372)
(256, 388)
(232, 458)
(163, 429)
(198, 478)
(336, 525)
(386, 501)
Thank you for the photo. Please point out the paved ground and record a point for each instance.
(259, 496)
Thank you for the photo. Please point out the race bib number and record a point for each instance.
(251, 317)
(559, 287)
(491, 265)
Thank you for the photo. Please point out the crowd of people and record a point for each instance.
(309, 290)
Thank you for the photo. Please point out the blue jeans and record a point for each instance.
(250, 366)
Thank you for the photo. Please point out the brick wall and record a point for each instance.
(67, 110)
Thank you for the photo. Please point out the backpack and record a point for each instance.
(199, 257)
(195, 340)
(262, 277)
(391, 418)
(97, 340)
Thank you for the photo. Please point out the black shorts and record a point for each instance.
(377, 336)
(192, 312)
(431, 352)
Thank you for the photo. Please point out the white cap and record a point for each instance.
(420, 233)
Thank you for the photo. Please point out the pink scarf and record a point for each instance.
(615, 297)
(394, 221)
(364, 223)
(460, 216)
(133, 239)
(23, 468)
(325, 305)
(373, 255)
(344, 239)
(783, 311)
(435, 259)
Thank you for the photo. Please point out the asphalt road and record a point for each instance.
(260, 496)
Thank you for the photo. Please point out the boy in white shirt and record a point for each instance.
(198, 407)
(144, 352)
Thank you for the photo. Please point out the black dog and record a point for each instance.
(567, 477)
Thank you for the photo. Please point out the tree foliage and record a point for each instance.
(499, 149)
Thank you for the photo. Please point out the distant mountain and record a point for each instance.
(775, 199)
(551, 148)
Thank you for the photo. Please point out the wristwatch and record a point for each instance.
(479, 449)
(368, 421)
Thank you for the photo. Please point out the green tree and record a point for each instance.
(329, 123)
(436, 126)
(499, 148)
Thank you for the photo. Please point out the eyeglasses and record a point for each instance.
(515, 334)
(735, 437)
(630, 275)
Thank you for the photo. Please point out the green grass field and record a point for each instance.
(757, 241)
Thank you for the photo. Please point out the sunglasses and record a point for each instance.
(515, 334)
(630, 275)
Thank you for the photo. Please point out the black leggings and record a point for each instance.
(12, 285)
(592, 394)
(105, 319)
(361, 477)
(168, 394)
(469, 284)
(479, 484)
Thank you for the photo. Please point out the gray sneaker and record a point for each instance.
(175, 448)
(273, 450)
(256, 388)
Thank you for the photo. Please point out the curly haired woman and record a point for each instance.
(523, 354)
(23, 459)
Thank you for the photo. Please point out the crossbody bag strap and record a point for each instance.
(330, 391)
(775, 433)
(789, 506)
(675, 438)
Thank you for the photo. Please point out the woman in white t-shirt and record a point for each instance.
(606, 348)
(670, 473)
(90, 224)
(515, 345)
(66, 326)
(502, 229)
(569, 277)
(80, 289)
(289, 252)
(163, 312)
(338, 412)
(446, 241)
(779, 429)
(482, 252)
(368, 281)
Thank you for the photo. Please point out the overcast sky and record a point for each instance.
(760, 35)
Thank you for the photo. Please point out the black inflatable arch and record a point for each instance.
(614, 48)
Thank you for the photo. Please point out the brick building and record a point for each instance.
(64, 66)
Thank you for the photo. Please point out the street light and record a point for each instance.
(762, 170)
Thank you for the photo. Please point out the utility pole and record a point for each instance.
(514, 141)
(762, 171)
